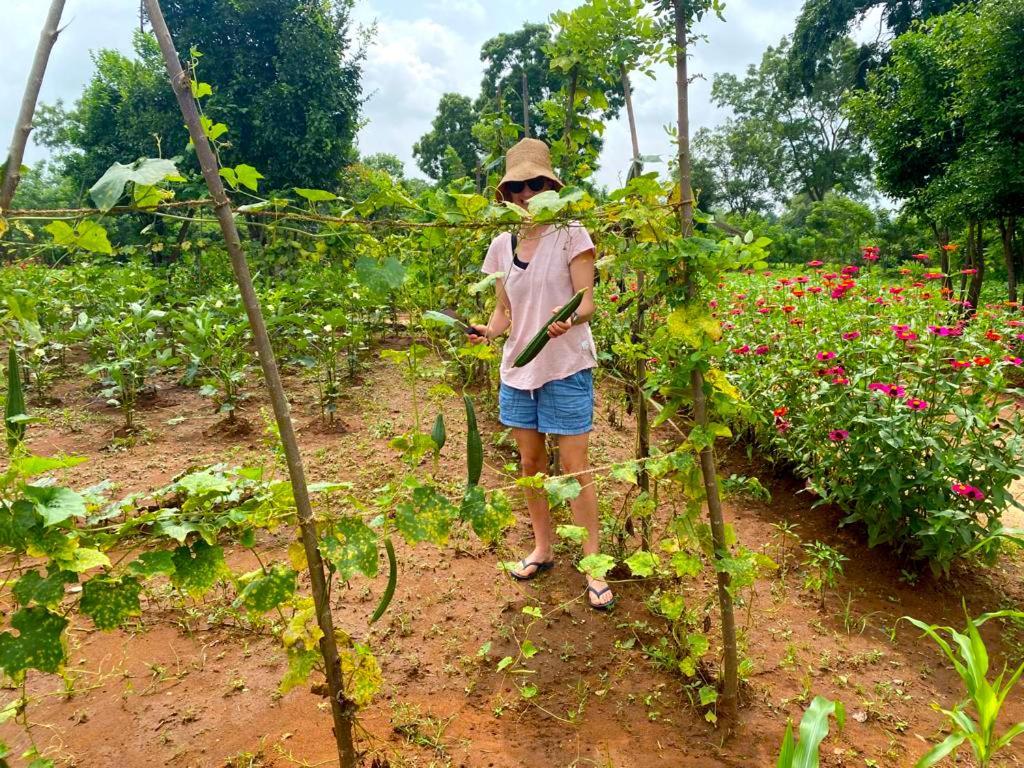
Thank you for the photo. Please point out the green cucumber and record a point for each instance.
(439, 434)
(541, 338)
(389, 591)
(15, 406)
(474, 446)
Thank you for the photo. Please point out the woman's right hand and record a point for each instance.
(480, 334)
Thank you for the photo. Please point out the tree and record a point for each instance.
(943, 118)
(126, 111)
(286, 81)
(597, 46)
(743, 166)
(823, 22)
(451, 129)
(509, 56)
(804, 137)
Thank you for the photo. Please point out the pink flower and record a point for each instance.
(921, 256)
(713, 304)
(764, 310)
(838, 435)
(963, 489)
(742, 350)
(840, 380)
(870, 253)
(877, 386)
(762, 349)
(916, 404)
(906, 335)
(1014, 360)
(851, 335)
(968, 271)
(803, 279)
(944, 330)
(815, 263)
(960, 364)
(850, 269)
(814, 289)
(826, 355)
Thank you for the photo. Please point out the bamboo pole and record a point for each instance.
(526, 105)
(23, 127)
(730, 678)
(342, 710)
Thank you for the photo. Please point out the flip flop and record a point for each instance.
(538, 568)
(600, 606)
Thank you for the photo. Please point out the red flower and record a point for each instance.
(982, 361)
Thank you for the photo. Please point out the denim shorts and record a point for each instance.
(560, 407)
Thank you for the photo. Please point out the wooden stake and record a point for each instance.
(342, 709)
(730, 678)
(526, 106)
(23, 127)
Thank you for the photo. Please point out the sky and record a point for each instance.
(421, 50)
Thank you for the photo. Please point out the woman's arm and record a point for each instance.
(500, 317)
(581, 273)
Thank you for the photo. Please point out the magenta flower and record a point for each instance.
(840, 380)
(877, 386)
(1013, 360)
(762, 349)
(917, 404)
(963, 489)
(850, 269)
(742, 350)
(838, 435)
(815, 263)
(944, 330)
(826, 355)
(906, 335)
(851, 335)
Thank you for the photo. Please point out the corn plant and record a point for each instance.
(973, 720)
(813, 730)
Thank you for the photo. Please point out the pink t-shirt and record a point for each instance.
(533, 293)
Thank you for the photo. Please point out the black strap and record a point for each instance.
(515, 243)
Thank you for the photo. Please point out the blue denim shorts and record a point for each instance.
(560, 407)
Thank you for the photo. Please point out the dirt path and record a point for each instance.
(186, 688)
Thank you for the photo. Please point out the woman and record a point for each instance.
(554, 393)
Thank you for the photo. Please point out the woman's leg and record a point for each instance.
(534, 458)
(572, 450)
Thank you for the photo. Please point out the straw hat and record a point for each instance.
(527, 160)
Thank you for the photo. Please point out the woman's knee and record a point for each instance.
(534, 463)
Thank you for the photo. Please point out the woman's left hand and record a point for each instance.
(557, 328)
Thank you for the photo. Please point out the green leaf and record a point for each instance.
(642, 563)
(708, 695)
(110, 602)
(528, 649)
(686, 565)
(813, 730)
(31, 466)
(300, 665)
(352, 548)
(486, 282)
(151, 563)
(147, 171)
(597, 566)
(937, 753)
(427, 517)
(39, 644)
(85, 559)
(441, 317)
(248, 176)
(265, 591)
(32, 587)
(671, 606)
(625, 472)
(562, 489)
(199, 90)
(533, 610)
(528, 691)
(55, 504)
(360, 673)
(505, 663)
(197, 569)
(491, 517)
(315, 195)
(92, 237)
(62, 233)
(203, 483)
(380, 277)
(575, 533)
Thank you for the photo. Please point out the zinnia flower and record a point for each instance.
(851, 335)
(992, 335)
(762, 349)
(963, 489)
(1013, 360)
(838, 435)
(917, 404)
(921, 256)
(960, 364)
(742, 350)
(826, 355)
(981, 360)
(815, 263)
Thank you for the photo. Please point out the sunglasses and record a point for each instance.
(535, 185)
